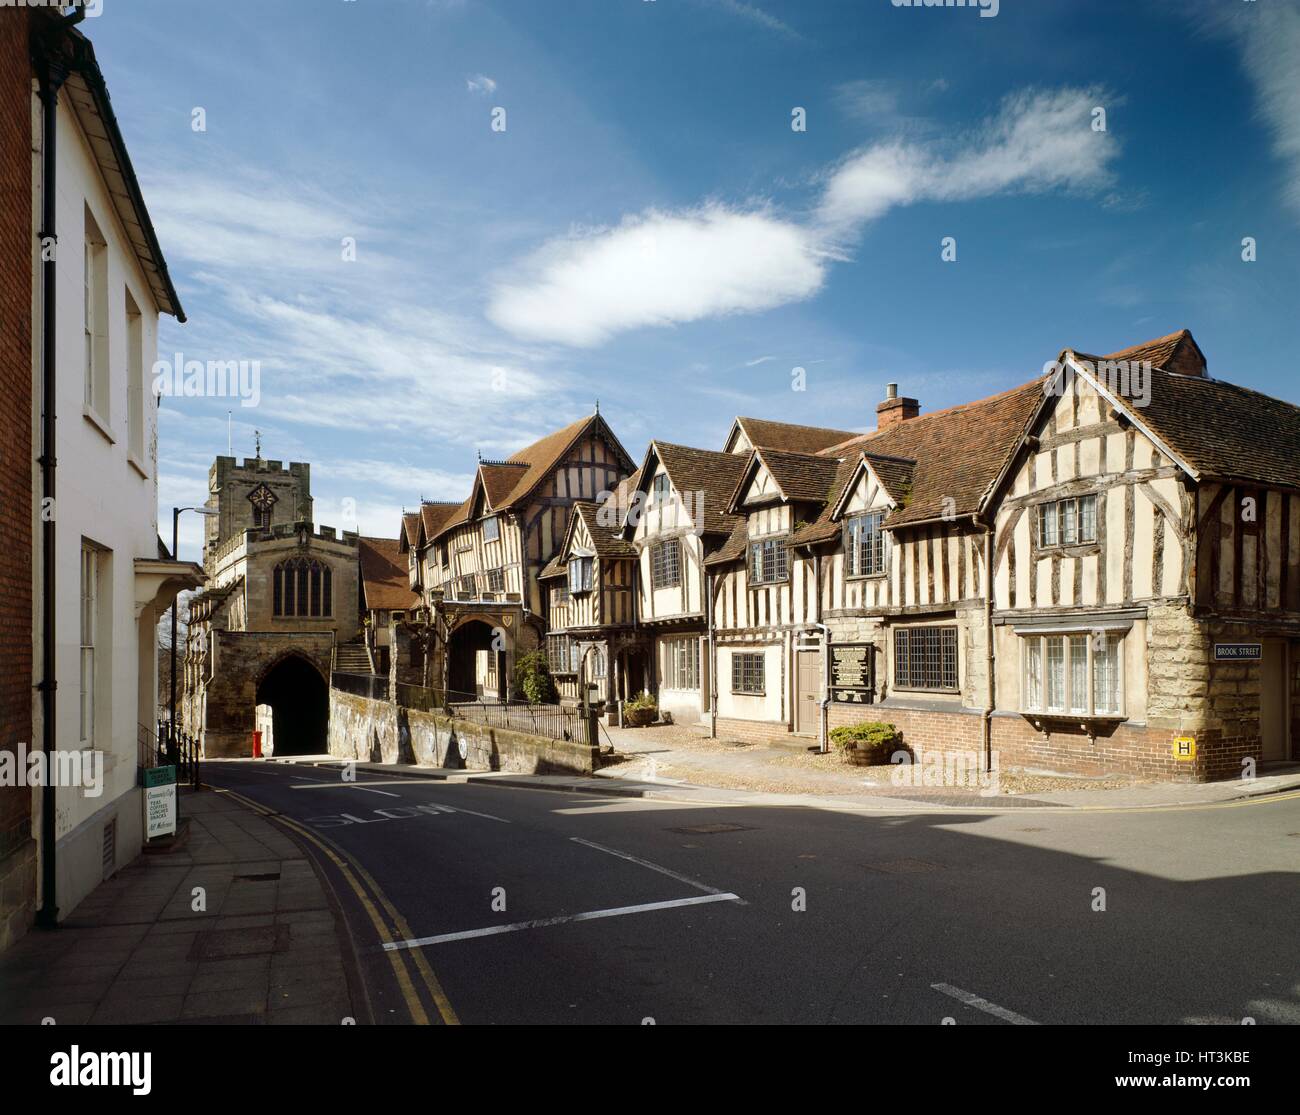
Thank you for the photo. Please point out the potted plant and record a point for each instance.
(867, 744)
(641, 710)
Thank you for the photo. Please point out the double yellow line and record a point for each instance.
(355, 875)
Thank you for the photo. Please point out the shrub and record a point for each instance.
(871, 741)
(640, 710)
(533, 678)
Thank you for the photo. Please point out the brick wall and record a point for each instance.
(17, 850)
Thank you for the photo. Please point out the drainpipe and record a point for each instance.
(823, 728)
(713, 659)
(986, 724)
(52, 72)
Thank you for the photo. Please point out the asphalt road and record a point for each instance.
(984, 919)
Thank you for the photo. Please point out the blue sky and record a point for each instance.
(649, 230)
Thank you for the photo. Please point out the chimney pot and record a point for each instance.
(895, 408)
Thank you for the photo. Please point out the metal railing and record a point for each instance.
(374, 686)
(172, 747)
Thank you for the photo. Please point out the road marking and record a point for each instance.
(344, 786)
(472, 812)
(979, 1004)
(564, 919)
(654, 867)
(343, 862)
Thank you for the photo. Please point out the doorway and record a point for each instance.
(807, 696)
(1274, 701)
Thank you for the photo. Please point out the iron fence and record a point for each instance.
(560, 722)
(172, 747)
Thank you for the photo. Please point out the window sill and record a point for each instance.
(1082, 719)
(866, 576)
(92, 416)
(137, 464)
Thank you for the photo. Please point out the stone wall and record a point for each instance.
(383, 732)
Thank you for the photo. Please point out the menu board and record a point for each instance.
(851, 672)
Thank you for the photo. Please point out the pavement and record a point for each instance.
(268, 946)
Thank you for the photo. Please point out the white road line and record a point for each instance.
(983, 1004)
(474, 813)
(346, 786)
(654, 867)
(542, 923)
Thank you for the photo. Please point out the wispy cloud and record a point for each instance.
(664, 268)
(480, 83)
(1269, 39)
(752, 13)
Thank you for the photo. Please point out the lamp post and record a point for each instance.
(176, 518)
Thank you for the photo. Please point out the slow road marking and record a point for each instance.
(564, 919)
(981, 1004)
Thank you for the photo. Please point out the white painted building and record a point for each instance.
(113, 578)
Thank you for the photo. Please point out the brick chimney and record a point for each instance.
(895, 410)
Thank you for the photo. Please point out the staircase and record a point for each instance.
(352, 658)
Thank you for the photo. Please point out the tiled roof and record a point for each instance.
(765, 434)
(800, 476)
(529, 467)
(703, 470)
(410, 532)
(604, 538)
(435, 514)
(1174, 352)
(499, 480)
(733, 549)
(959, 452)
(1225, 431)
(383, 575)
(823, 529)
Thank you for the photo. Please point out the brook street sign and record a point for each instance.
(1238, 652)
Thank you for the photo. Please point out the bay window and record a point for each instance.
(1072, 674)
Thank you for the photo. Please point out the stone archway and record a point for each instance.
(475, 663)
(299, 700)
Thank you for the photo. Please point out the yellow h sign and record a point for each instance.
(1184, 748)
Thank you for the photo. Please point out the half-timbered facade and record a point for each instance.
(590, 587)
(478, 565)
(1077, 574)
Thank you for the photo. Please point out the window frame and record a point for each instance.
(780, 544)
(1057, 513)
(585, 580)
(853, 545)
(1068, 708)
(664, 573)
(495, 522)
(738, 672)
(946, 633)
(302, 588)
(682, 664)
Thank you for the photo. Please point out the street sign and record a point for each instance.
(159, 801)
(1238, 652)
(1184, 748)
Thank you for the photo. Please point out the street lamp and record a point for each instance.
(176, 518)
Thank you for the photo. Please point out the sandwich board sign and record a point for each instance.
(159, 801)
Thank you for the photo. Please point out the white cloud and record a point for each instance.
(480, 83)
(1038, 141)
(664, 268)
(659, 269)
(1270, 43)
(754, 14)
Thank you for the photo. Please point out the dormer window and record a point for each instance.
(769, 561)
(491, 529)
(662, 488)
(864, 545)
(580, 574)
